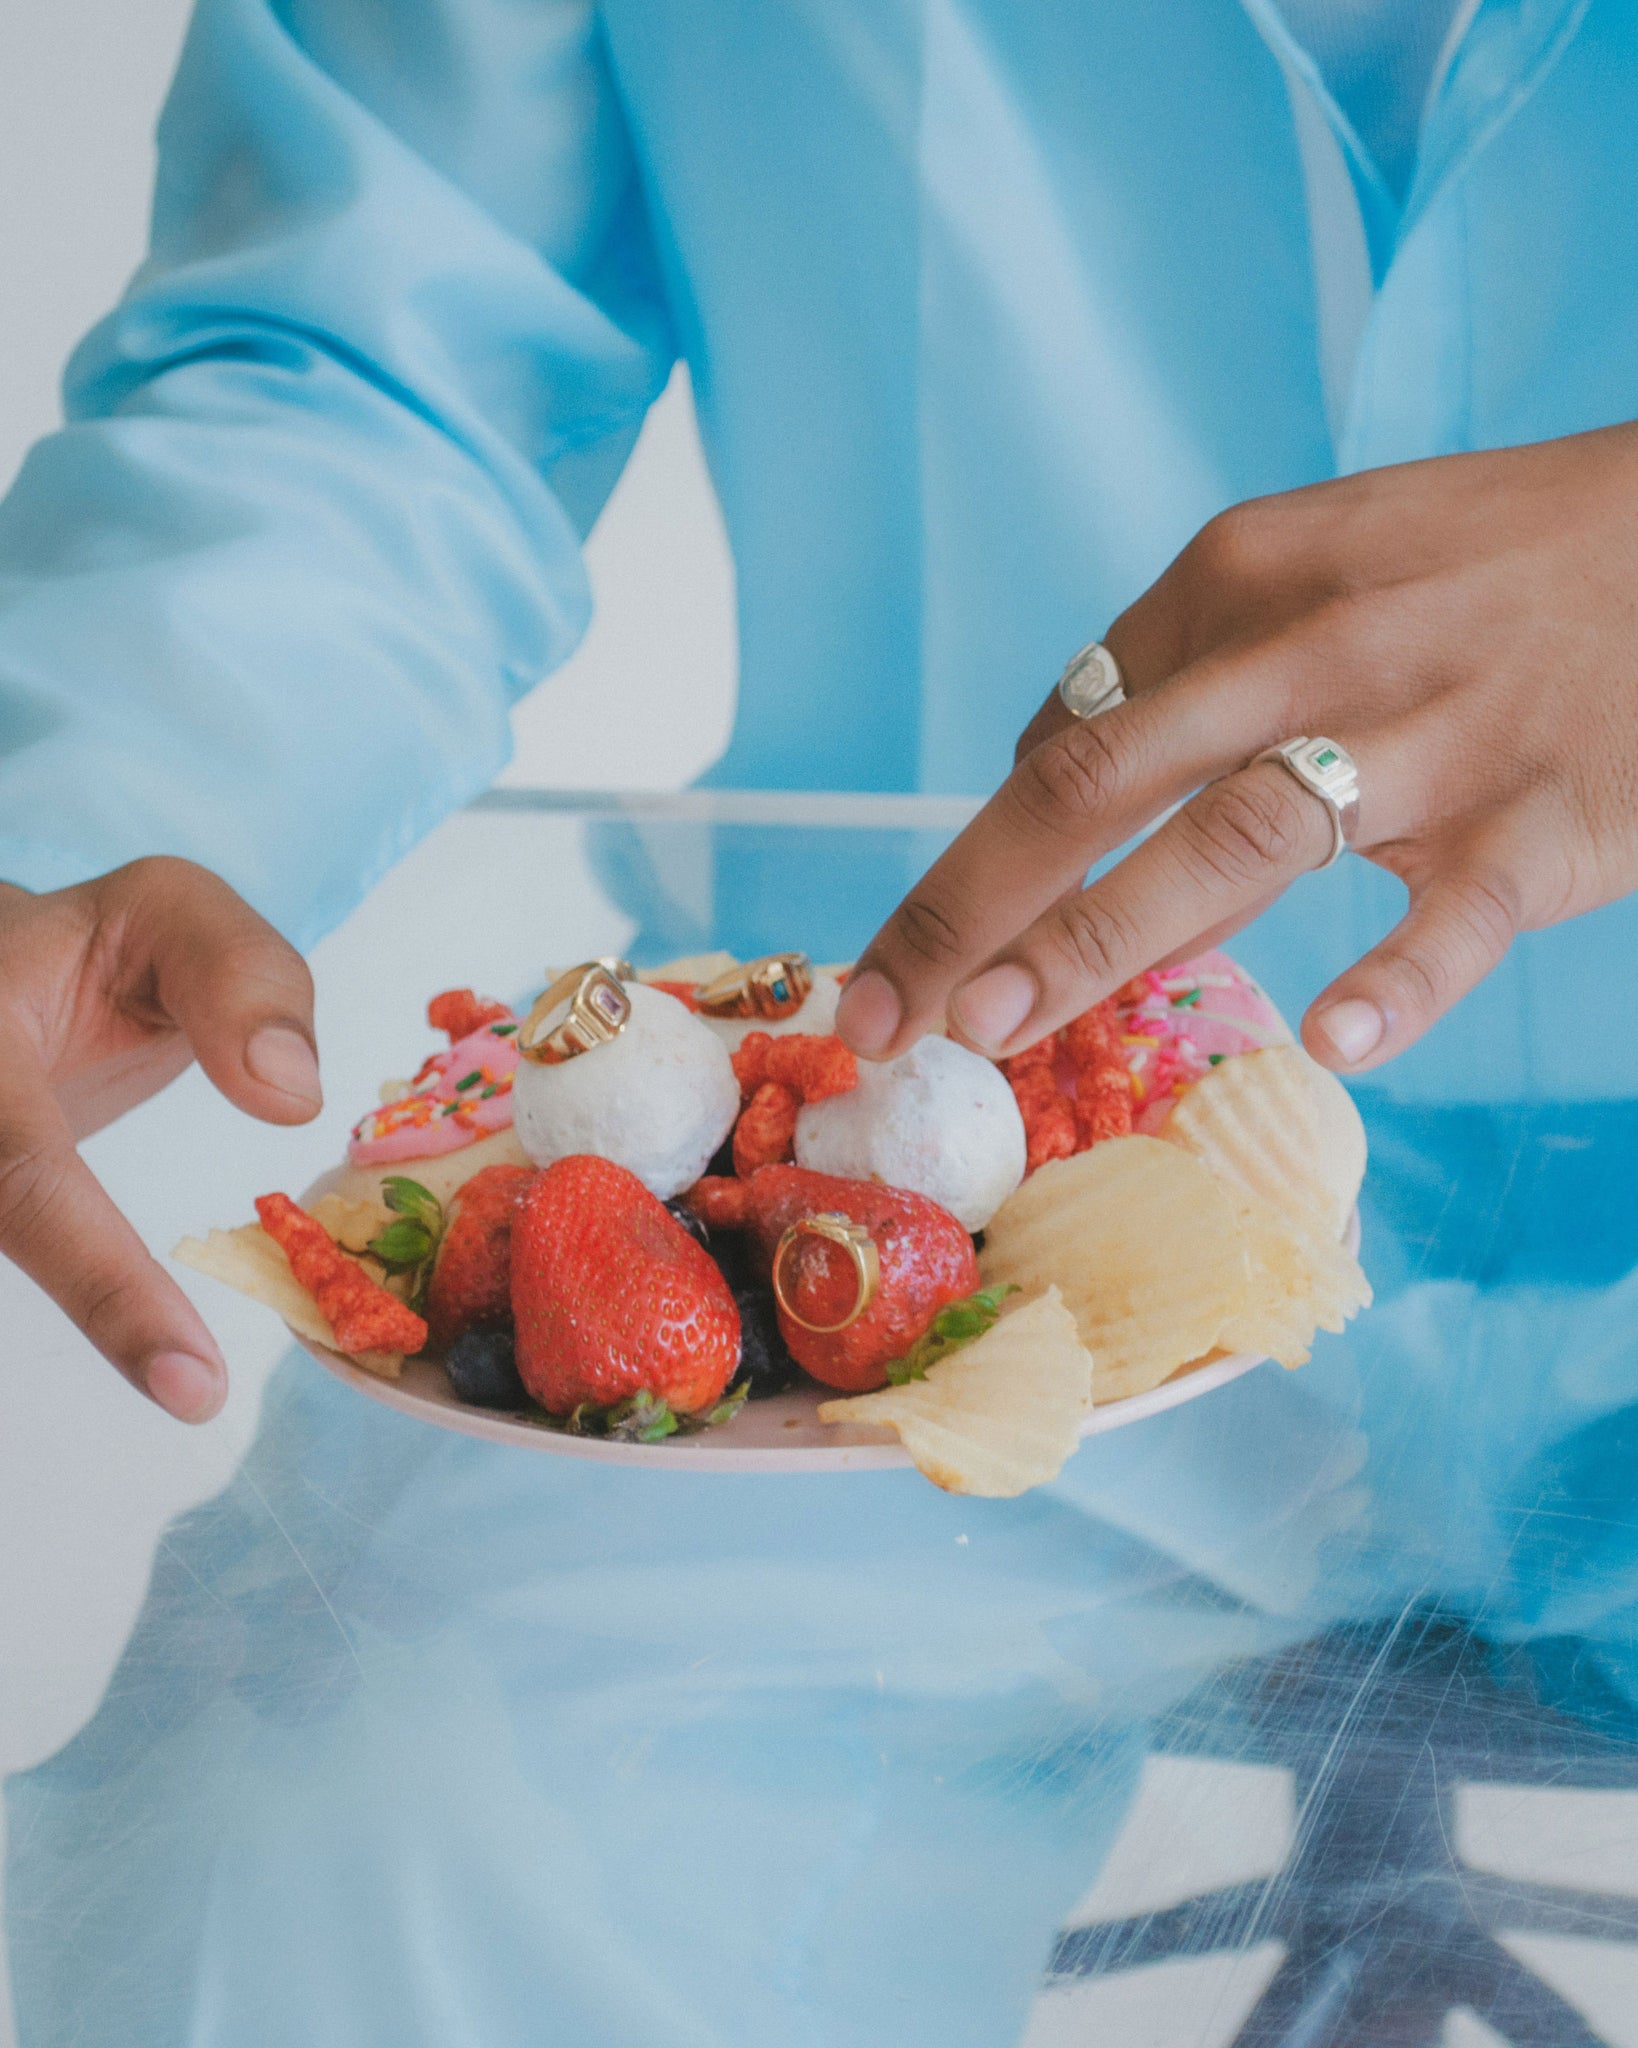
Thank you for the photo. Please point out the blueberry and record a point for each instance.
(763, 1359)
(694, 1225)
(730, 1248)
(483, 1370)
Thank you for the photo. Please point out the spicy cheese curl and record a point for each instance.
(460, 1012)
(1048, 1114)
(766, 1132)
(1103, 1082)
(814, 1065)
(721, 1202)
(363, 1315)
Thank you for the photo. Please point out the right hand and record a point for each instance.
(107, 992)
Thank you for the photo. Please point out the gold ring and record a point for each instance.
(775, 986)
(860, 1247)
(599, 1010)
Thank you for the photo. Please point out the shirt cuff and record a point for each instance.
(32, 864)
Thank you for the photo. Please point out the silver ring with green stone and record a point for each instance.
(1332, 774)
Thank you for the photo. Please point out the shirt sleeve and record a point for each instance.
(315, 519)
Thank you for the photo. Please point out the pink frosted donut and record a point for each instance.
(459, 1096)
(1178, 1022)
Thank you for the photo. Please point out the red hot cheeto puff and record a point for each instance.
(766, 1132)
(364, 1316)
(1103, 1083)
(460, 1012)
(813, 1065)
(1048, 1114)
(721, 1202)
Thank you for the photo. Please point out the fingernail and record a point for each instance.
(868, 1014)
(281, 1058)
(189, 1388)
(993, 1005)
(1354, 1028)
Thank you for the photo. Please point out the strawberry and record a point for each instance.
(927, 1261)
(612, 1297)
(471, 1284)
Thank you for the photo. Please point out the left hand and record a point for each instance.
(1466, 627)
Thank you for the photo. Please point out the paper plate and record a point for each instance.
(780, 1434)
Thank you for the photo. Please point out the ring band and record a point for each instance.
(859, 1245)
(775, 986)
(599, 1010)
(1091, 683)
(1329, 772)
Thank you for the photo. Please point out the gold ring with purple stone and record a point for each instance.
(599, 1010)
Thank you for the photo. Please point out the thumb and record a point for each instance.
(239, 993)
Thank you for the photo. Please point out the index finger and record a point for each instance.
(59, 1225)
(1073, 797)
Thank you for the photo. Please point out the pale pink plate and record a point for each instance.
(780, 1434)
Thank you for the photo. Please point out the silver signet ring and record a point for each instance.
(1331, 773)
(1091, 683)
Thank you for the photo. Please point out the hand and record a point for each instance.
(1467, 627)
(107, 991)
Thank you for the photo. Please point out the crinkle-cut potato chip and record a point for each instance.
(248, 1260)
(1298, 1283)
(1142, 1240)
(1277, 1124)
(999, 1416)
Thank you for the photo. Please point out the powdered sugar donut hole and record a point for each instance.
(939, 1120)
(658, 1100)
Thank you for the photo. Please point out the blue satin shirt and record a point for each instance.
(988, 307)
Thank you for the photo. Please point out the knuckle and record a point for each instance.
(1418, 984)
(1236, 547)
(1245, 826)
(31, 1185)
(926, 931)
(1093, 940)
(159, 878)
(107, 1306)
(1487, 902)
(258, 958)
(1071, 779)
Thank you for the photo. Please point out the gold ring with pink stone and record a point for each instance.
(599, 1010)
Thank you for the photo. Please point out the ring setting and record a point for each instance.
(1091, 684)
(775, 986)
(1329, 772)
(599, 1010)
(860, 1247)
